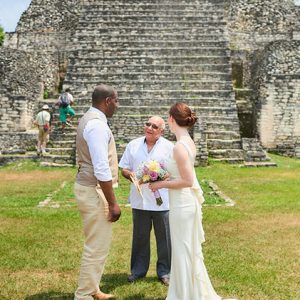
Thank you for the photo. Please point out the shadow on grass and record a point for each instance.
(112, 281)
(109, 282)
(52, 296)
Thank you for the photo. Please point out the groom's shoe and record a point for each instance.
(103, 296)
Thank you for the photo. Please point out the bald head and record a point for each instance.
(102, 92)
(158, 121)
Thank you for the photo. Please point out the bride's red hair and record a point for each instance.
(183, 115)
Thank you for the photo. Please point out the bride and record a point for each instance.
(189, 279)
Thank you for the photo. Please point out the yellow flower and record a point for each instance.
(146, 178)
(154, 166)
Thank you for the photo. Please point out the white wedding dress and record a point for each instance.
(188, 279)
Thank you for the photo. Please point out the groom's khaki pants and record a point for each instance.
(97, 231)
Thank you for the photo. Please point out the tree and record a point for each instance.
(2, 34)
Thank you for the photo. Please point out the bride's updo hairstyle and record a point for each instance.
(183, 115)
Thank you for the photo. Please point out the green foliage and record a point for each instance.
(2, 35)
(46, 94)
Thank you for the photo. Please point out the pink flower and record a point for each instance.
(153, 176)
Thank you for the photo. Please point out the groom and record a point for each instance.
(145, 212)
(97, 173)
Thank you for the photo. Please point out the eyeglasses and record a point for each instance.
(149, 124)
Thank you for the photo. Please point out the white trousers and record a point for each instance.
(97, 231)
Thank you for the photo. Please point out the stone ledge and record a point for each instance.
(258, 164)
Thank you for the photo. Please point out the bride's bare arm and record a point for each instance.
(185, 169)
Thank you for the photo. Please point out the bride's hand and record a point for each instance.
(154, 186)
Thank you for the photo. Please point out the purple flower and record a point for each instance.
(153, 176)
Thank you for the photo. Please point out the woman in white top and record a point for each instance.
(189, 279)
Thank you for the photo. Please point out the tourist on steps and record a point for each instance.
(42, 121)
(66, 112)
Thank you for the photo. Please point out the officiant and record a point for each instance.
(145, 210)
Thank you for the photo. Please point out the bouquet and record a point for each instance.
(151, 171)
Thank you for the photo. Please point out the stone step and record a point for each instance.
(84, 101)
(155, 42)
(151, 76)
(222, 154)
(61, 144)
(218, 112)
(5, 159)
(138, 111)
(221, 134)
(123, 61)
(201, 102)
(68, 137)
(92, 7)
(97, 32)
(85, 36)
(140, 50)
(68, 130)
(155, 4)
(137, 68)
(151, 16)
(230, 160)
(59, 159)
(90, 84)
(140, 97)
(223, 144)
(215, 126)
(259, 164)
(213, 122)
(50, 164)
(62, 151)
(152, 22)
(141, 110)
(50, 101)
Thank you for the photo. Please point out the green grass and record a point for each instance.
(251, 249)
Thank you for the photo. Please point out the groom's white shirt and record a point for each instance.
(136, 153)
(94, 129)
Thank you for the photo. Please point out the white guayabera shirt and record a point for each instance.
(136, 153)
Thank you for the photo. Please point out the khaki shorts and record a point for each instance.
(43, 136)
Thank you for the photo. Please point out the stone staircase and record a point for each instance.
(60, 148)
(155, 53)
(254, 154)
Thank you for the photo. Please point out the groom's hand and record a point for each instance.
(114, 212)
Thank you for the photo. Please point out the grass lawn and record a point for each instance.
(251, 249)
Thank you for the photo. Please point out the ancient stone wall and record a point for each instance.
(253, 24)
(278, 99)
(15, 143)
(264, 40)
(20, 88)
(50, 16)
(34, 60)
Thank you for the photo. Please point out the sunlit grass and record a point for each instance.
(251, 249)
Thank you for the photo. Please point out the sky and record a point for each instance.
(10, 13)
(11, 10)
